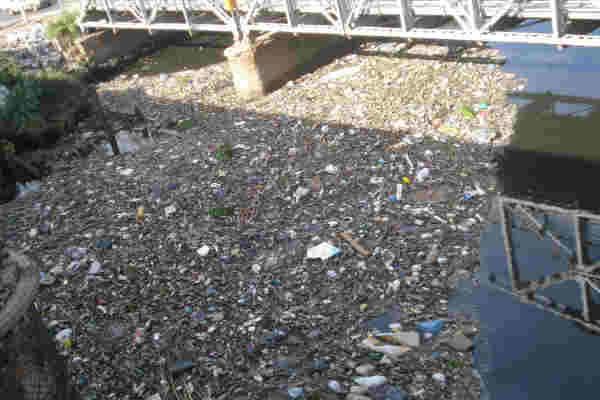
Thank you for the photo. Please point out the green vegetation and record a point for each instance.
(64, 27)
(53, 74)
(224, 152)
(26, 92)
(23, 102)
(184, 125)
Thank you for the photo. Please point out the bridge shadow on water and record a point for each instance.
(555, 153)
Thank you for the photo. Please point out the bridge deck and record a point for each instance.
(476, 20)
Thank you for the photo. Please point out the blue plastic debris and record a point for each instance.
(198, 316)
(256, 180)
(296, 392)
(105, 244)
(387, 392)
(75, 253)
(182, 366)
(46, 279)
(156, 192)
(46, 211)
(320, 364)
(44, 227)
(282, 363)
(434, 326)
(226, 259)
(28, 187)
(335, 386)
(277, 336)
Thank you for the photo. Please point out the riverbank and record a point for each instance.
(195, 252)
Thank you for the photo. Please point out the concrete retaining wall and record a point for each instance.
(99, 47)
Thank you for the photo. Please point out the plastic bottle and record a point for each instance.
(422, 174)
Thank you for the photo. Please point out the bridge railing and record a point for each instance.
(476, 20)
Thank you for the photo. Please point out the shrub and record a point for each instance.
(23, 103)
(64, 27)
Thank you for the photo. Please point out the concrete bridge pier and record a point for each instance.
(265, 64)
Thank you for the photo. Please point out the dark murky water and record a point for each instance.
(525, 352)
(128, 143)
(561, 103)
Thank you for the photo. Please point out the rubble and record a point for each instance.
(29, 48)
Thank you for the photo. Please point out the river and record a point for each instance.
(524, 352)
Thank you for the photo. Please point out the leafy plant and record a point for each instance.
(52, 74)
(23, 102)
(8, 67)
(64, 27)
(224, 152)
(6, 147)
(184, 125)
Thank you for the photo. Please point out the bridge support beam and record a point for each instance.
(263, 65)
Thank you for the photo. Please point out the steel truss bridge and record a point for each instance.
(572, 21)
(527, 215)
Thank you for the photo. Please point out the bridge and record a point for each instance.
(572, 21)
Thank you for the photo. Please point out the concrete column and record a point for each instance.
(265, 65)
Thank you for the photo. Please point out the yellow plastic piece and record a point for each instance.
(230, 5)
(140, 214)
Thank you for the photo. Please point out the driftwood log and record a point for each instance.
(31, 170)
(25, 292)
(108, 129)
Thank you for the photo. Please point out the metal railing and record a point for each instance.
(472, 20)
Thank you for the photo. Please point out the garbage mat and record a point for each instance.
(30, 366)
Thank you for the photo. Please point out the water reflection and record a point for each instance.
(128, 143)
(525, 352)
(557, 144)
(572, 71)
(558, 124)
(531, 353)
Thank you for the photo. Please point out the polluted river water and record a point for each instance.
(524, 352)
